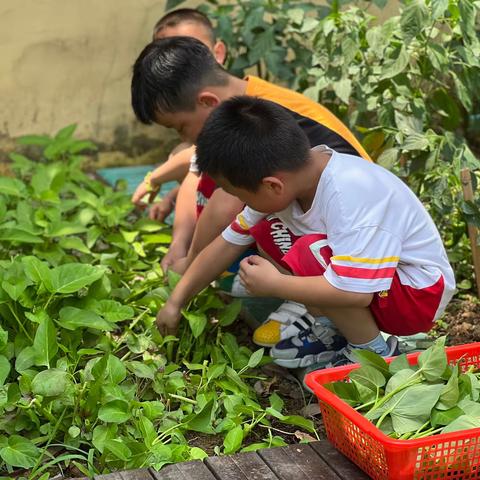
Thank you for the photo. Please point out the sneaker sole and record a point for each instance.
(322, 358)
(268, 345)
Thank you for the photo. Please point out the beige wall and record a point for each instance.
(65, 61)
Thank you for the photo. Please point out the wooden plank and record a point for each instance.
(244, 466)
(299, 462)
(139, 474)
(344, 468)
(109, 476)
(195, 470)
(466, 179)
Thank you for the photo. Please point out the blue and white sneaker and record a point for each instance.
(317, 344)
(347, 355)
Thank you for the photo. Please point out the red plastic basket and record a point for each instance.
(453, 455)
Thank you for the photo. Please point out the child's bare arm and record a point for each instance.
(262, 278)
(207, 266)
(175, 168)
(219, 212)
(184, 222)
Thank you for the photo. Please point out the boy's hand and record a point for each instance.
(168, 319)
(259, 276)
(175, 253)
(142, 190)
(181, 265)
(161, 210)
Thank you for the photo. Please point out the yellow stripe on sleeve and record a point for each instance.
(242, 222)
(348, 258)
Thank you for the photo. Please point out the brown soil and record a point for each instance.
(461, 322)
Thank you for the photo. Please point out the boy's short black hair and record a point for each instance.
(184, 15)
(246, 139)
(168, 75)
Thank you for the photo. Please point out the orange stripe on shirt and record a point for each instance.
(364, 273)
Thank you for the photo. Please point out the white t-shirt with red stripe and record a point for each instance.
(374, 224)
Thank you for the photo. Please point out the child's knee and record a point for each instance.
(309, 256)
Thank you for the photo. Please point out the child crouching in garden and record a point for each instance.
(369, 256)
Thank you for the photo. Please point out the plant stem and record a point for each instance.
(129, 329)
(410, 382)
(276, 429)
(429, 432)
(389, 410)
(48, 301)
(181, 397)
(20, 324)
(50, 438)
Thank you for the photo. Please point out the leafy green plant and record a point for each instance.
(264, 36)
(86, 381)
(408, 402)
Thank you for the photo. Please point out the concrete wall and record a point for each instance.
(65, 61)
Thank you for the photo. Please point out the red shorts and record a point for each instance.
(401, 310)
(274, 238)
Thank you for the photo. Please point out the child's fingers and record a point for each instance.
(255, 260)
(244, 264)
(244, 281)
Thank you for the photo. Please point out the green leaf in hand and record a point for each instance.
(197, 322)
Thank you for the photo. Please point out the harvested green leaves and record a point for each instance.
(408, 402)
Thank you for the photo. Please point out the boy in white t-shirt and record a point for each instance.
(369, 256)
